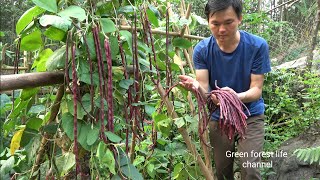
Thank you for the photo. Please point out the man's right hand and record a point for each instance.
(189, 83)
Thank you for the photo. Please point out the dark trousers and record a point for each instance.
(222, 146)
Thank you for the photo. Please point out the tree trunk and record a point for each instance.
(314, 39)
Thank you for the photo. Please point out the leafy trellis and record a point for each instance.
(105, 120)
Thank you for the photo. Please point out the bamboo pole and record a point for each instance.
(157, 31)
(205, 171)
(276, 7)
(54, 112)
(30, 80)
(314, 38)
(11, 68)
(187, 16)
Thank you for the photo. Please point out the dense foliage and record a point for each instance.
(123, 127)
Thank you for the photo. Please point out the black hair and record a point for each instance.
(214, 6)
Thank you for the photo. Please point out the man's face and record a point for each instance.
(224, 25)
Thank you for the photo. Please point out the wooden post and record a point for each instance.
(30, 80)
(314, 38)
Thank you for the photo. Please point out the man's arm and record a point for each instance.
(255, 90)
(202, 76)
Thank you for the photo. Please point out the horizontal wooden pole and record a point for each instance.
(156, 31)
(10, 68)
(37, 79)
(30, 80)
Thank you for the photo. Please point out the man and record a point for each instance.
(237, 60)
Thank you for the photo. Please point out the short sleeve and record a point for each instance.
(198, 57)
(261, 62)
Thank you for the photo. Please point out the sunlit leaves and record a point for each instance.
(181, 43)
(113, 137)
(40, 62)
(128, 37)
(56, 21)
(74, 12)
(126, 83)
(56, 60)
(34, 123)
(152, 18)
(28, 93)
(49, 5)
(54, 33)
(105, 157)
(107, 25)
(68, 162)
(93, 135)
(27, 17)
(82, 108)
(32, 41)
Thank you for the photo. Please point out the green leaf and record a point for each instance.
(113, 137)
(80, 110)
(28, 136)
(181, 43)
(107, 25)
(165, 127)
(56, 21)
(177, 169)
(6, 166)
(68, 162)
(40, 61)
(54, 33)
(36, 109)
(82, 134)
(138, 160)
(28, 17)
(128, 36)
(179, 122)
(28, 93)
(114, 46)
(126, 9)
(50, 128)
(73, 11)
(108, 159)
(306, 158)
(32, 41)
(131, 172)
(152, 18)
(34, 123)
(32, 148)
(2, 34)
(93, 135)
(150, 170)
(20, 105)
(100, 150)
(57, 59)
(49, 5)
(149, 109)
(67, 125)
(4, 99)
(91, 45)
(126, 83)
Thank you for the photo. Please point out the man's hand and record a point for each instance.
(230, 90)
(189, 83)
(241, 96)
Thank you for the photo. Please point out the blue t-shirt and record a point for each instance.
(234, 69)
